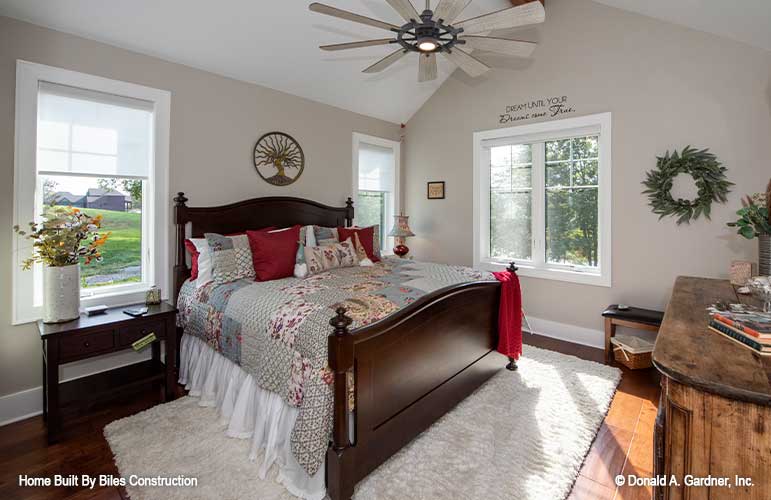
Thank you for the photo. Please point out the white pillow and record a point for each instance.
(204, 261)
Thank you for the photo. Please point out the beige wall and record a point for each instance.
(666, 86)
(215, 122)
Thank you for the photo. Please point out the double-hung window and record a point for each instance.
(376, 181)
(100, 146)
(543, 200)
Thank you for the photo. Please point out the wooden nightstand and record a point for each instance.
(93, 336)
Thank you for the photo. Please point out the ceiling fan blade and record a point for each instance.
(449, 10)
(405, 9)
(356, 45)
(516, 48)
(350, 16)
(465, 61)
(386, 61)
(522, 15)
(427, 68)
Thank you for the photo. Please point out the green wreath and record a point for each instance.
(707, 172)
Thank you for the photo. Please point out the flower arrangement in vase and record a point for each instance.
(755, 222)
(59, 242)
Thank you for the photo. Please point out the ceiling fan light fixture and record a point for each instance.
(427, 45)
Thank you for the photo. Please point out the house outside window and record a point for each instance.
(100, 146)
(376, 181)
(543, 200)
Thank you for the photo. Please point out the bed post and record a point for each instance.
(512, 366)
(180, 269)
(349, 212)
(340, 467)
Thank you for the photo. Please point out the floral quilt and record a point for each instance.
(277, 330)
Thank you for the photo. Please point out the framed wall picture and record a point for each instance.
(436, 190)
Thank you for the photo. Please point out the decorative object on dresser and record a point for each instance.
(91, 336)
(446, 362)
(631, 317)
(436, 32)
(741, 272)
(153, 296)
(64, 237)
(275, 155)
(755, 222)
(401, 231)
(435, 190)
(708, 174)
(715, 402)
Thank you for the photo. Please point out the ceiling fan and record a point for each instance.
(436, 32)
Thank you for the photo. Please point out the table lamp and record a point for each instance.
(401, 231)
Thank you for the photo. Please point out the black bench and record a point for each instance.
(632, 317)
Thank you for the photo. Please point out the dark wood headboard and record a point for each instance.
(278, 211)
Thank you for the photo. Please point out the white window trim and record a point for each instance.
(386, 143)
(28, 76)
(534, 133)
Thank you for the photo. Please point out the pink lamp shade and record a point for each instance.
(401, 231)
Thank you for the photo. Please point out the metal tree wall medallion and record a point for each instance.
(278, 158)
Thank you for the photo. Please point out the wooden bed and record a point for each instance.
(407, 370)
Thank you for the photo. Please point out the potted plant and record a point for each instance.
(755, 222)
(64, 237)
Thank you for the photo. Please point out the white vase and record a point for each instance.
(61, 293)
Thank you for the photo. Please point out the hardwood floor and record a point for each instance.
(624, 444)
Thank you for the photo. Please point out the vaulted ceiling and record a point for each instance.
(275, 42)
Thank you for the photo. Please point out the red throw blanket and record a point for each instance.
(510, 315)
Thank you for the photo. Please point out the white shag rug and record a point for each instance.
(523, 435)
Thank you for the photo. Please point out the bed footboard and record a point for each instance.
(409, 370)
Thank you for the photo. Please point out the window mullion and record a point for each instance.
(539, 204)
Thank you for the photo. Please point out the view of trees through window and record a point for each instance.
(119, 202)
(570, 195)
(371, 210)
(571, 201)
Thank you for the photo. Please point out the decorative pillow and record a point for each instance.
(194, 254)
(325, 257)
(201, 261)
(231, 257)
(274, 252)
(325, 236)
(368, 238)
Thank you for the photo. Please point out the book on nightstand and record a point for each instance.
(761, 346)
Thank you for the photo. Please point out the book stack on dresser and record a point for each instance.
(751, 329)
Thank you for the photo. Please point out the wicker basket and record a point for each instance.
(633, 361)
(633, 351)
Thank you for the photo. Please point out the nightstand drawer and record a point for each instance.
(130, 334)
(81, 346)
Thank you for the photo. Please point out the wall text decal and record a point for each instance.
(549, 107)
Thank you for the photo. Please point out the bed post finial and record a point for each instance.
(349, 212)
(341, 322)
(180, 200)
(512, 267)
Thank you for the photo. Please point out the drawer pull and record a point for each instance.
(86, 344)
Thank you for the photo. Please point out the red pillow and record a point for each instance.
(366, 237)
(190, 247)
(274, 253)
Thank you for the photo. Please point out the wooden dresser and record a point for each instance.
(715, 412)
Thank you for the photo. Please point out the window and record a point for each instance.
(376, 180)
(542, 199)
(101, 146)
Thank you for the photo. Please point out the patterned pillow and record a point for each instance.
(322, 258)
(325, 235)
(231, 257)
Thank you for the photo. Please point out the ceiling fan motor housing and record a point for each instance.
(427, 30)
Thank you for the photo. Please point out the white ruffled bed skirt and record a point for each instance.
(247, 411)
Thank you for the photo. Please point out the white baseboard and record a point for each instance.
(29, 402)
(563, 331)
